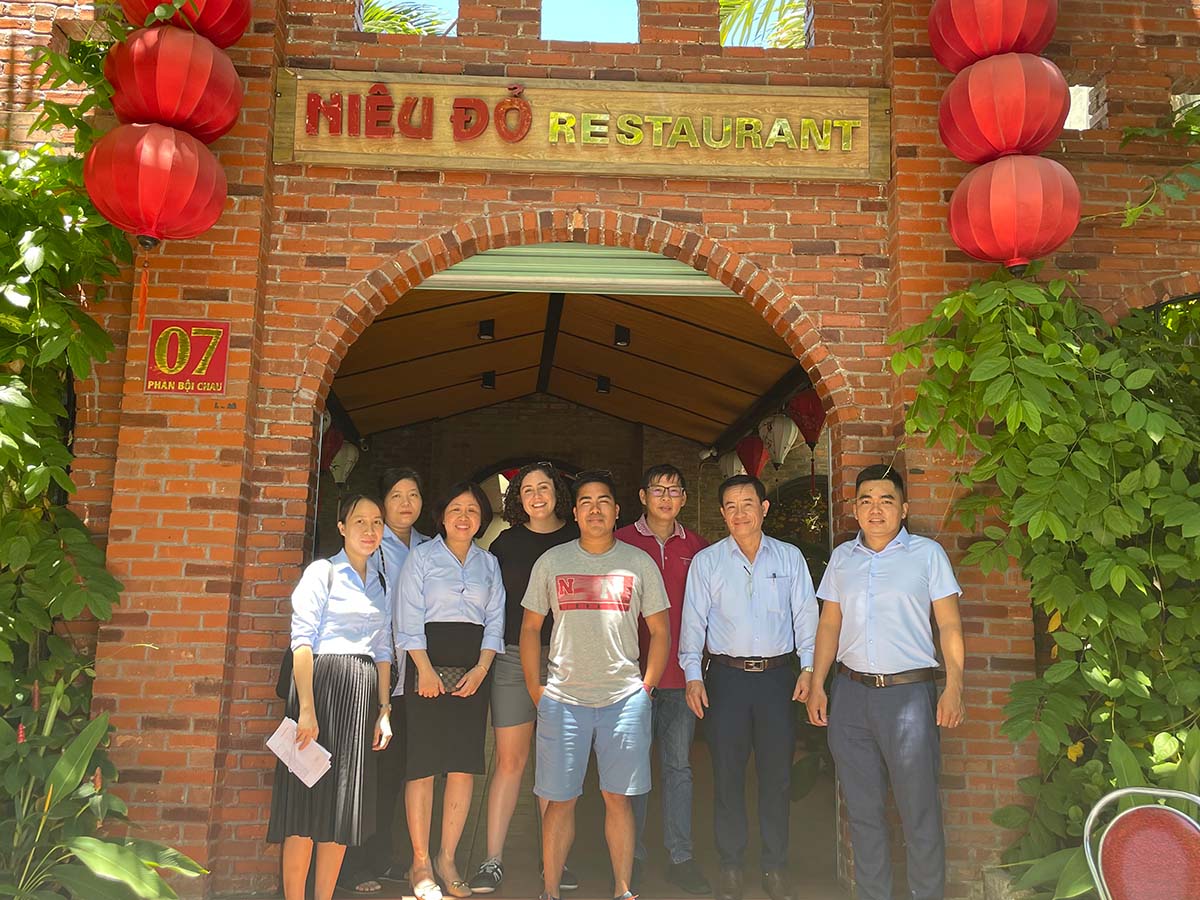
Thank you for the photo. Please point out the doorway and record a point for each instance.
(596, 358)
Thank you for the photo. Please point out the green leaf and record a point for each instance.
(163, 857)
(1137, 380)
(1124, 764)
(1060, 671)
(1011, 817)
(113, 861)
(1166, 745)
(85, 884)
(68, 772)
(988, 369)
(1067, 641)
(1075, 879)
(33, 258)
(1046, 870)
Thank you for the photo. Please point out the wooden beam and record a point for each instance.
(554, 311)
(794, 380)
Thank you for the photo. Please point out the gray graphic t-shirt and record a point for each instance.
(596, 599)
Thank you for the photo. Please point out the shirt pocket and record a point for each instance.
(779, 594)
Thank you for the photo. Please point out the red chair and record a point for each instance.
(1148, 852)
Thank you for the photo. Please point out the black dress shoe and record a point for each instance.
(687, 875)
(777, 885)
(730, 885)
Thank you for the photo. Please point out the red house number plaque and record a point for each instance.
(187, 356)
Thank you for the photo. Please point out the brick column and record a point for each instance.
(980, 766)
(177, 532)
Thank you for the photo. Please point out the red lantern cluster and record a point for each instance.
(174, 91)
(1005, 106)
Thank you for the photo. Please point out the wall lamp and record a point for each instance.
(620, 336)
(487, 329)
(603, 385)
(487, 381)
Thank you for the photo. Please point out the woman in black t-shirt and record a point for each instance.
(538, 506)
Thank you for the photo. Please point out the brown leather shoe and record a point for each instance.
(777, 886)
(730, 885)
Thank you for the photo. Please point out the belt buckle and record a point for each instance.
(879, 680)
(754, 664)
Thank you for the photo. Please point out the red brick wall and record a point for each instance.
(206, 519)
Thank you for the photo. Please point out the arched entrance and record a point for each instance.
(420, 396)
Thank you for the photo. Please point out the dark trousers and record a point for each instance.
(372, 859)
(751, 711)
(882, 734)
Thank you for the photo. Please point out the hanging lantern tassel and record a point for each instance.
(147, 244)
(143, 291)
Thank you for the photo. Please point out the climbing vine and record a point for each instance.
(1081, 450)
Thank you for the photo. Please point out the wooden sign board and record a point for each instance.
(492, 124)
(187, 356)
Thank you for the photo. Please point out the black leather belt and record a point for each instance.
(751, 663)
(912, 676)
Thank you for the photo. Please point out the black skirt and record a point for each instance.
(446, 733)
(340, 808)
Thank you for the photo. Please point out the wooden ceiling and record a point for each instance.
(694, 365)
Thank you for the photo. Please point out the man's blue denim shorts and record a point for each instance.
(566, 734)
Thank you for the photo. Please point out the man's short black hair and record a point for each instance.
(388, 479)
(738, 480)
(463, 487)
(665, 472)
(593, 476)
(880, 472)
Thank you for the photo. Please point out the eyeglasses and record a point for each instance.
(658, 491)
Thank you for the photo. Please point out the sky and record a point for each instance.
(611, 21)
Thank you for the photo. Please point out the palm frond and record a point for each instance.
(765, 23)
(398, 17)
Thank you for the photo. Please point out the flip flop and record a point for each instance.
(368, 886)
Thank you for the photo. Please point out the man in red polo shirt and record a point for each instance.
(672, 547)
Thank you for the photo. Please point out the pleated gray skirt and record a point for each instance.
(340, 808)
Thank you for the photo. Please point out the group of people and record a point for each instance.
(587, 638)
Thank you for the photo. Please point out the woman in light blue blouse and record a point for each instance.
(341, 652)
(451, 625)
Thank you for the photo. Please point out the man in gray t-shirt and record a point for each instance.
(595, 694)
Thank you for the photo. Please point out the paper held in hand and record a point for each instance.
(308, 764)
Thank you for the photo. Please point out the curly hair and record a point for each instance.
(514, 509)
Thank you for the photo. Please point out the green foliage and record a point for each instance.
(1083, 443)
(1175, 184)
(54, 248)
(399, 17)
(766, 23)
(54, 805)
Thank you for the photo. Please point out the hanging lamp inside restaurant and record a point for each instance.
(965, 31)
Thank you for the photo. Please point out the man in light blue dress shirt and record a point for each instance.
(750, 600)
(878, 593)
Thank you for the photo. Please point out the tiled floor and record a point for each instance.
(812, 843)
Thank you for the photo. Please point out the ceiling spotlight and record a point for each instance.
(603, 385)
(487, 381)
(487, 329)
(620, 336)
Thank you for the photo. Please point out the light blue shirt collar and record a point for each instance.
(901, 540)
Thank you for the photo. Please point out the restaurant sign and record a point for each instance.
(187, 356)
(494, 124)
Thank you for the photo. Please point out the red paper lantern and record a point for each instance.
(1011, 103)
(174, 77)
(807, 411)
(964, 31)
(221, 21)
(155, 182)
(1014, 209)
(753, 454)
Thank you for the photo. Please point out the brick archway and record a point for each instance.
(408, 270)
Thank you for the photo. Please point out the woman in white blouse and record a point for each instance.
(451, 625)
(341, 654)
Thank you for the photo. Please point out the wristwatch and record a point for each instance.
(652, 691)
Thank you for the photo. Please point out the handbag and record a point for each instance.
(450, 676)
